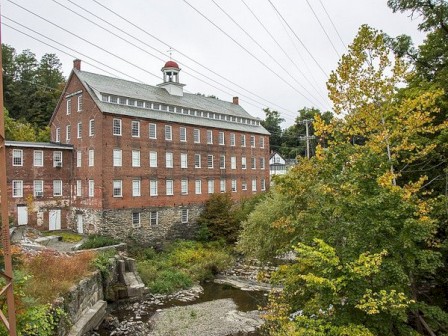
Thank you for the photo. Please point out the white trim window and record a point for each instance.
(244, 185)
(197, 135)
(152, 131)
(79, 105)
(38, 158)
(252, 141)
(263, 184)
(254, 184)
(169, 186)
(135, 128)
(197, 160)
(168, 133)
(117, 157)
(79, 132)
(262, 163)
(253, 162)
(78, 158)
(57, 159)
(153, 188)
(232, 139)
(69, 106)
(198, 187)
(17, 157)
(57, 188)
(91, 127)
(153, 218)
(17, 188)
(222, 162)
(184, 216)
(221, 139)
(211, 186)
(209, 137)
(58, 134)
(135, 158)
(234, 185)
(68, 133)
(116, 127)
(261, 139)
(183, 160)
(222, 185)
(91, 188)
(233, 162)
(91, 157)
(184, 186)
(136, 220)
(78, 188)
(169, 160)
(243, 140)
(117, 188)
(210, 160)
(136, 187)
(38, 186)
(153, 159)
(182, 134)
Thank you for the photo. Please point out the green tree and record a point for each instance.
(272, 123)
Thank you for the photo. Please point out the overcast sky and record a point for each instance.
(286, 74)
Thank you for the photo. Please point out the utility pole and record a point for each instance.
(10, 321)
(307, 137)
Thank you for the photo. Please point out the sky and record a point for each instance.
(269, 53)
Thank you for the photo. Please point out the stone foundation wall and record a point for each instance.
(91, 219)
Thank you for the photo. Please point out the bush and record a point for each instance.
(67, 236)
(95, 241)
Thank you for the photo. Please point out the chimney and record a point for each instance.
(77, 64)
(236, 100)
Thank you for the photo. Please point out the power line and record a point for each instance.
(332, 23)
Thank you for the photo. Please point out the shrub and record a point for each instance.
(67, 236)
(102, 262)
(95, 241)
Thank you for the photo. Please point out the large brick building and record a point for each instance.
(146, 158)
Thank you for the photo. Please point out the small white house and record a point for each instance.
(277, 164)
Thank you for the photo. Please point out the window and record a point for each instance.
(243, 140)
(209, 137)
(210, 161)
(263, 184)
(198, 187)
(68, 131)
(254, 184)
(197, 160)
(243, 162)
(78, 158)
(153, 159)
(183, 134)
(38, 188)
(58, 135)
(183, 160)
(153, 218)
(91, 188)
(136, 219)
(17, 157)
(184, 215)
(252, 141)
(153, 188)
(78, 188)
(184, 187)
(80, 103)
(136, 191)
(91, 157)
(233, 185)
(261, 139)
(117, 188)
(135, 128)
(222, 185)
(135, 158)
(79, 130)
(253, 163)
(169, 160)
(131, 102)
(222, 162)
(17, 188)
(169, 187)
(57, 159)
(221, 138)
(91, 127)
(38, 158)
(117, 158)
(116, 129)
(69, 106)
(262, 163)
(232, 139)
(197, 135)
(243, 185)
(233, 162)
(211, 186)
(152, 131)
(57, 188)
(168, 133)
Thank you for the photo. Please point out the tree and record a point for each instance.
(272, 123)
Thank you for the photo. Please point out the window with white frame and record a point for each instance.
(78, 158)
(221, 139)
(152, 131)
(117, 157)
(116, 128)
(211, 186)
(91, 157)
(38, 186)
(184, 187)
(261, 139)
(243, 140)
(57, 159)
(209, 137)
(233, 185)
(135, 158)
(198, 187)
(243, 185)
(91, 127)
(91, 188)
(169, 160)
(262, 165)
(80, 103)
(135, 128)
(197, 160)
(183, 134)
(169, 186)
(68, 133)
(153, 159)
(232, 139)
(117, 188)
(153, 188)
(78, 188)
(17, 188)
(222, 162)
(210, 160)
(183, 160)
(57, 188)
(69, 106)
(254, 184)
(263, 184)
(136, 187)
(38, 158)
(222, 185)
(197, 135)
(79, 130)
(58, 135)
(17, 157)
(136, 219)
(184, 215)
(243, 162)
(153, 218)
(252, 141)
(233, 162)
(253, 163)
(168, 133)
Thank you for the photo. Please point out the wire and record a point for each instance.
(332, 23)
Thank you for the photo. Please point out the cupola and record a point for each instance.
(171, 79)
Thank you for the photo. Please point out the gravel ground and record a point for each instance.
(214, 318)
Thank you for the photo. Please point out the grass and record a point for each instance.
(95, 241)
(67, 236)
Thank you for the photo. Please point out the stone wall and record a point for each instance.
(91, 219)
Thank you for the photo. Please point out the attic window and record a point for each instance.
(122, 100)
(164, 107)
(131, 102)
(192, 112)
(156, 106)
(148, 105)
(105, 98)
(223, 117)
(171, 108)
(113, 99)
(139, 103)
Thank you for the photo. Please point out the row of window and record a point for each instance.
(78, 105)
(176, 109)
(38, 158)
(154, 218)
(79, 128)
(169, 160)
(38, 188)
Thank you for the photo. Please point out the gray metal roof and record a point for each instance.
(52, 145)
(99, 84)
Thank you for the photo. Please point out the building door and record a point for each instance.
(79, 221)
(54, 219)
(22, 215)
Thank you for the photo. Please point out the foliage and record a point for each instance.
(95, 241)
(66, 236)
(102, 262)
(272, 123)
(24, 131)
